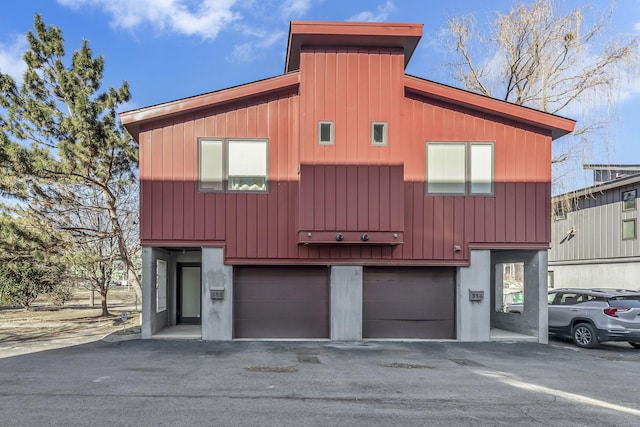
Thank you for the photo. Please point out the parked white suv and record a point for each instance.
(591, 316)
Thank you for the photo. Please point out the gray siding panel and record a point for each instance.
(598, 229)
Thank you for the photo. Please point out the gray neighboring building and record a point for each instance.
(594, 232)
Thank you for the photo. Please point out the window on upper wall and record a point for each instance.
(378, 133)
(628, 229)
(460, 168)
(233, 165)
(326, 133)
(629, 200)
(211, 165)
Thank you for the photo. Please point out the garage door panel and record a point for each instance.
(266, 309)
(426, 329)
(281, 302)
(409, 302)
(406, 309)
(284, 327)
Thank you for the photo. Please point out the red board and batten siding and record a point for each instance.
(172, 208)
(351, 87)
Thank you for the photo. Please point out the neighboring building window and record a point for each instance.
(378, 133)
(629, 200)
(460, 168)
(628, 229)
(550, 278)
(559, 212)
(326, 133)
(240, 163)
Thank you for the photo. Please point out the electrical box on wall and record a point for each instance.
(476, 295)
(216, 293)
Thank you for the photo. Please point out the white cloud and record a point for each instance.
(247, 52)
(242, 53)
(295, 8)
(380, 14)
(206, 19)
(11, 57)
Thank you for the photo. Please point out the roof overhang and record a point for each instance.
(605, 186)
(132, 120)
(350, 34)
(557, 125)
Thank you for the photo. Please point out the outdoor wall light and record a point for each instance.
(456, 248)
(364, 237)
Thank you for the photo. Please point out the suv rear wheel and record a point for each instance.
(585, 336)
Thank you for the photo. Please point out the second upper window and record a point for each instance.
(460, 168)
(378, 133)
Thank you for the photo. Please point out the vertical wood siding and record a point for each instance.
(351, 87)
(598, 229)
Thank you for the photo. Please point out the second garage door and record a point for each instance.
(281, 302)
(409, 302)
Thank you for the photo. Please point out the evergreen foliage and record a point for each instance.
(66, 158)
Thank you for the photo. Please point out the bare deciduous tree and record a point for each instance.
(540, 57)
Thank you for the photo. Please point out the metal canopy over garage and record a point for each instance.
(281, 302)
(409, 302)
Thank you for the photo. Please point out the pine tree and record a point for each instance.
(61, 142)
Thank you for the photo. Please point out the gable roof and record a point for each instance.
(132, 120)
(557, 125)
(600, 188)
(355, 34)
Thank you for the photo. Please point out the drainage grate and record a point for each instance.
(308, 359)
(405, 366)
(272, 369)
(467, 362)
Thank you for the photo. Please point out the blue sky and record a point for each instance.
(171, 49)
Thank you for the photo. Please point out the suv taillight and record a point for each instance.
(611, 311)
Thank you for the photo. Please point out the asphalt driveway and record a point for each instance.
(194, 383)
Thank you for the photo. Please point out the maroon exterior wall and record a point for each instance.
(265, 228)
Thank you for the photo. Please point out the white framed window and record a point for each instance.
(247, 165)
(446, 168)
(481, 168)
(629, 200)
(211, 165)
(629, 229)
(326, 133)
(233, 164)
(378, 133)
(161, 285)
(460, 168)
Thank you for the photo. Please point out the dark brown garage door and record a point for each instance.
(408, 302)
(281, 302)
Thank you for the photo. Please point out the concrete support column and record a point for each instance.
(541, 262)
(152, 321)
(217, 314)
(346, 303)
(148, 290)
(473, 318)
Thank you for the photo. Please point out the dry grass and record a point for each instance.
(47, 322)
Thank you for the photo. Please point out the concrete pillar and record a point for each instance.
(541, 261)
(346, 303)
(473, 319)
(148, 292)
(217, 315)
